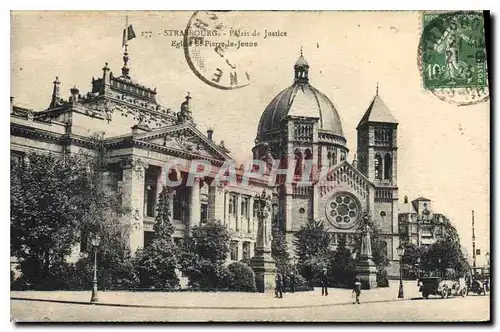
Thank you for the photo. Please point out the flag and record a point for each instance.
(128, 34)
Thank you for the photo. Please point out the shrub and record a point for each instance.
(204, 254)
(155, 265)
(240, 277)
(382, 280)
(301, 284)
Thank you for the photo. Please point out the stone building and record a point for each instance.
(302, 124)
(300, 127)
(419, 224)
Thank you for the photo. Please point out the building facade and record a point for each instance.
(300, 130)
(419, 224)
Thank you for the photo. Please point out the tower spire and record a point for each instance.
(301, 69)
(376, 93)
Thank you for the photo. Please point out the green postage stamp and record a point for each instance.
(452, 50)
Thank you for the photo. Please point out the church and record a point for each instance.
(299, 127)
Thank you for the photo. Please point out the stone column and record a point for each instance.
(240, 250)
(226, 209)
(250, 214)
(237, 213)
(161, 179)
(219, 205)
(252, 249)
(133, 197)
(216, 203)
(195, 206)
(212, 192)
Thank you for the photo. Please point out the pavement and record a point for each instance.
(221, 300)
(471, 308)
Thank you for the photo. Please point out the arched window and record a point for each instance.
(388, 166)
(308, 159)
(298, 163)
(378, 166)
(383, 244)
(329, 156)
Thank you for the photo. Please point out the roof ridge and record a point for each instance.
(377, 112)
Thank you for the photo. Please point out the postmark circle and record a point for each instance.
(452, 57)
(212, 52)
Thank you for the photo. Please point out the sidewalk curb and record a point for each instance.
(202, 307)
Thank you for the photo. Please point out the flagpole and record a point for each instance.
(126, 32)
(125, 70)
(473, 242)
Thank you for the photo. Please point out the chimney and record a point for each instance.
(139, 128)
(406, 199)
(210, 133)
(74, 94)
(105, 76)
(56, 95)
(355, 162)
(11, 105)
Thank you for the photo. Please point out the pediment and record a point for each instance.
(344, 173)
(184, 138)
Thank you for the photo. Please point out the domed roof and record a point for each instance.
(300, 99)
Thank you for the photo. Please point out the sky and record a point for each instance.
(444, 149)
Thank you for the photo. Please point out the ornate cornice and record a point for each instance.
(173, 151)
(30, 132)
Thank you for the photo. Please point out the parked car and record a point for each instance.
(442, 287)
(479, 281)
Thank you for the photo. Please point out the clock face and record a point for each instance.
(343, 210)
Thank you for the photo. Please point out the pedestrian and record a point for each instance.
(324, 282)
(356, 290)
(278, 292)
(486, 285)
(292, 282)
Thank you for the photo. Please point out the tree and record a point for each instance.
(56, 202)
(444, 254)
(450, 232)
(279, 249)
(44, 214)
(156, 264)
(312, 247)
(205, 253)
(342, 266)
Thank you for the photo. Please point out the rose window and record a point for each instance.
(343, 210)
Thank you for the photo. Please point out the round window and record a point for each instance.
(343, 210)
(302, 210)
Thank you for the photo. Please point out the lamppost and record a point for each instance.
(418, 267)
(95, 240)
(439, 267)
(401, 250)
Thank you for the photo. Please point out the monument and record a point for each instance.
(366, 270)
(263, 263)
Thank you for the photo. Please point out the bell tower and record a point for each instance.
(377, 144)
(377, 160)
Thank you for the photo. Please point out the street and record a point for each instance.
(471, 308)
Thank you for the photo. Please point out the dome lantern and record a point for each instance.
(301, 69)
